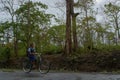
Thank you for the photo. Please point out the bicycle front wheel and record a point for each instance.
(27, 66)
(44, 66)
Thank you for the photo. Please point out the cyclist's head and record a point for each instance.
(32, 45)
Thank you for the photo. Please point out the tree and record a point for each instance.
(86, 21)
(68, 42)
(57, 35)
(113, 13)
(5, 32)
(32, 19)
(74, 15)
(9, 7)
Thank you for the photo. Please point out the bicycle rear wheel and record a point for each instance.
(27, 65)
(44, 66)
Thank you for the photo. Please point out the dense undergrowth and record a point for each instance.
(92, 62)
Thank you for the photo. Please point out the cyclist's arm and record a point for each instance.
(29, 50)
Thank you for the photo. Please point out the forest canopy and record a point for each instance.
(78, 33)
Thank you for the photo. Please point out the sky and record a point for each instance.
(98, 4)
(51, 5)
(53, 9)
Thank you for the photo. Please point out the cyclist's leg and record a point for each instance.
(33, 60)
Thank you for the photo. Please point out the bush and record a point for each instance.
(4, 53)
(52, 49)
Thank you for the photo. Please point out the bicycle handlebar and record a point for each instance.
(38, 54)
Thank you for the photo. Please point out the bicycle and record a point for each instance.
(43, 65)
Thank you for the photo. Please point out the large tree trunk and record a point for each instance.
(28, 34)
(68, 43)
(15, 38)
(16, 47)
(117, 28)
(74, 15)
(75, 42)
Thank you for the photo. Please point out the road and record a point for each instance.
(19, 75)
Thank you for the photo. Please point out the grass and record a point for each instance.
(7, 70)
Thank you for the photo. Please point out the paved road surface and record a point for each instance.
(19, 75)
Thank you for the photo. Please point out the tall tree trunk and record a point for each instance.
(15, 37)
(74, 15)
(68, 42)
(87, 35)
(28, 35)
(16, 47)
(88, 38)
(117, 26)
(116, 42)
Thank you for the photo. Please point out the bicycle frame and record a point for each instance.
(43, 65)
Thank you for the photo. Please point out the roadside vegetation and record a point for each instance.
(79, 43)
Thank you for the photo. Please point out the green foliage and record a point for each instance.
(52, 49)
(33, 25)
(33, 19)
(35, 11)
(50, 39)
(22, 50)
(112, 9)
(57, 34)
(4, 26)
(4, 53)
(112, 47)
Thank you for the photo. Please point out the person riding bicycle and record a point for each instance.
(35, 61)
(31, 53)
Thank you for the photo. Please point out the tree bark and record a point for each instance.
(68, 42)
(74, 15)
(75, 42)
(28, 35)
